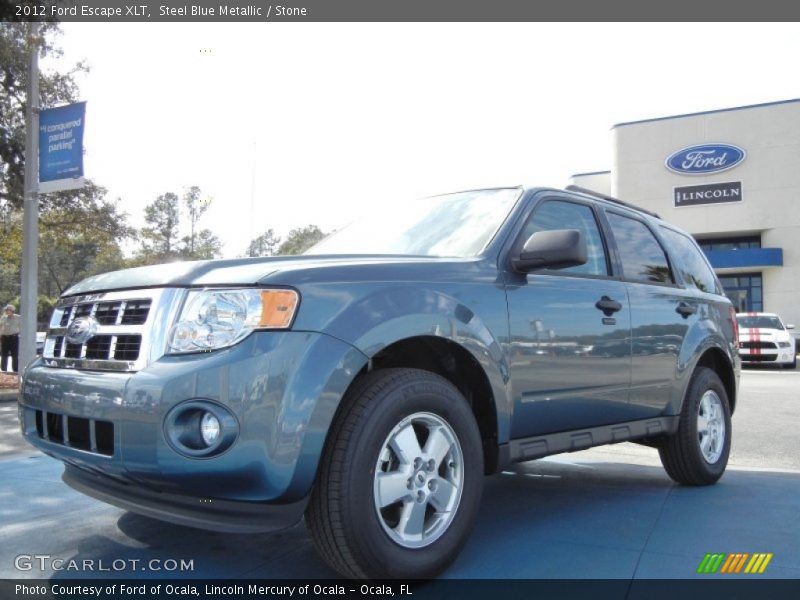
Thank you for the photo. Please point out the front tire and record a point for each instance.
(697, 453)
(400, 479)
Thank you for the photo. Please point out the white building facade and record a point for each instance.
(731, 178)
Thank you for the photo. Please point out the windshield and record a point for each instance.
(759, 322)
(459, 225)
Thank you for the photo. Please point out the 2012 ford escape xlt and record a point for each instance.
(371, 383)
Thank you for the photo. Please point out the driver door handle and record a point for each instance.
(608, 306)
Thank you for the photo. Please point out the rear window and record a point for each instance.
(689, 261)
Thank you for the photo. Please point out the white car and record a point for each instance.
(40, 337)
(763, 338)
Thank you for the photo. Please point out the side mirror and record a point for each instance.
(790, 326)
(554, 249)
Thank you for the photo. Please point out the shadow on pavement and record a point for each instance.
(544, 519)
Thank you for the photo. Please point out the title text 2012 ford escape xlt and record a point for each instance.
(371, 383)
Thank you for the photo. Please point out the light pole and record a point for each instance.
(30, 235)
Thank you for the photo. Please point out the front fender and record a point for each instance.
(473, 316)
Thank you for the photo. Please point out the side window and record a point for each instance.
(642, 257)
(557, 214)
(693, 267)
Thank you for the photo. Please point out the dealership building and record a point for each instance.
(731, 178)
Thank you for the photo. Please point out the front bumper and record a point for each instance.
(779, 356)
(203, 513)
(283, 389)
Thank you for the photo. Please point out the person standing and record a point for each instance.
(9, 338)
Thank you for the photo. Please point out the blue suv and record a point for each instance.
(370, 384)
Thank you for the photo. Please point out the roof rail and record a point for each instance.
(582, 190)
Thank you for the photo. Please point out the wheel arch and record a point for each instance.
(455, 363)
(715, 359)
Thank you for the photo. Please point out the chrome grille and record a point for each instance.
(131, 329)
(100, 347)
(122, 312)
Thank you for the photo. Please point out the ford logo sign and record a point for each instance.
(705, 159)
(81, 330)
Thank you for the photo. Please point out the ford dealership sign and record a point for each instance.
(705, 159)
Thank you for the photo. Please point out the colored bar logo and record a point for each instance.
(734, 563)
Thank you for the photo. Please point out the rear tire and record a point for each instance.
(400, 480)
(697, 453)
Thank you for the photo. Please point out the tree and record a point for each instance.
(196, 206)
(206, 246)
(79, 236)
(301, 239)
(264, 245)
(63, 262)
(161, 237)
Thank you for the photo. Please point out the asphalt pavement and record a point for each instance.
(608, 512)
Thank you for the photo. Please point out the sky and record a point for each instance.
(290, 124)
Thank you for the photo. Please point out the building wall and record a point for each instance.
(598, 182)
(769, 176)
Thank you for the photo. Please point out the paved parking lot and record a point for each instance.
(608, 512)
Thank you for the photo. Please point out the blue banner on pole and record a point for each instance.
(61, 146)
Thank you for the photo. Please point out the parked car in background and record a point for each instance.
(40, 337)
(763, 338)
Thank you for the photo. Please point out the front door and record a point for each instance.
(570, 348)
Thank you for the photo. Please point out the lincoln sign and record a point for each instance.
(712, 193)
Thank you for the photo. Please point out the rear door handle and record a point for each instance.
(685, 309)
(608, 306)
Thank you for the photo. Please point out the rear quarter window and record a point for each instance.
(688, 259)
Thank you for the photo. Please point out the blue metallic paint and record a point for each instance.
(284, 387)
(460, 301)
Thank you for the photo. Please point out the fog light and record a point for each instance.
(200, 428)
(209, 429)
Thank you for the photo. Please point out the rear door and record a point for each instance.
(570, 351)
(662, 311)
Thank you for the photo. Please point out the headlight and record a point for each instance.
(783, 344)
(213, 319)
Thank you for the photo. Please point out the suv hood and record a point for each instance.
(239, 271)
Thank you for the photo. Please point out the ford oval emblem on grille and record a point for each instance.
(705, 159)
(81, 330)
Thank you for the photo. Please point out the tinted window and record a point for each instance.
(556, 214)
(689, 261)
(642, 257)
